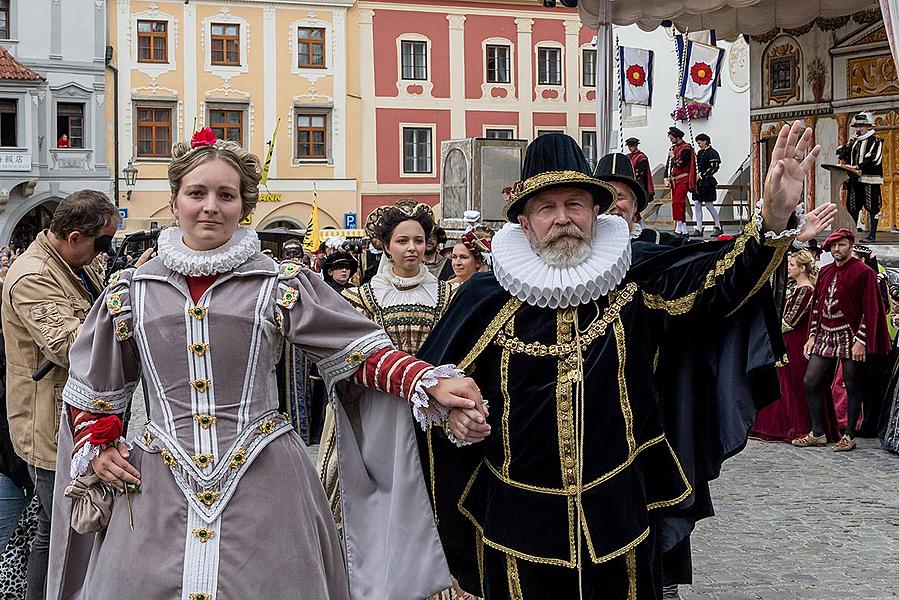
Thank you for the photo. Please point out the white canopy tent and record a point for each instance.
(729, 19)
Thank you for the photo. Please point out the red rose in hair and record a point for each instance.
(204, 137)
(106, 430)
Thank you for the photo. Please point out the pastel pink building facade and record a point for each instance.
(434, 71)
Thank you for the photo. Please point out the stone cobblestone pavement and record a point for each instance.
(805, 524)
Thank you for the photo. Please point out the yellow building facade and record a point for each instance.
(242, 68)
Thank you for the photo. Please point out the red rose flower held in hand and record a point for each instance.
(106, 430)
(636, 76)
(203, 137)
(701, 73)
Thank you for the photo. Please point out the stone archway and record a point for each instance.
(28, 219)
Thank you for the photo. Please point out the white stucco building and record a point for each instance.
(52, 84)
(727, 125)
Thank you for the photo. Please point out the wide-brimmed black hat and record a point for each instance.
(618, 167)
(675, 132)
(339, 260)
(555, 160)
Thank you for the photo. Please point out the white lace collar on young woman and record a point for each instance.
(176, 256)
(522, 273)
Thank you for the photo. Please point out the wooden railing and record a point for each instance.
(734, 211)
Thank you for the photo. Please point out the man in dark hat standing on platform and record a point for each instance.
(681, 177)
(864, 153)
(562, 499)
(708, 161)
(847, 324)
(642, 168)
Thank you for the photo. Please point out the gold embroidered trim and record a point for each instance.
(148, 437)
(203, 459)
(626, 412)
(533, 184)
(684, 304)
(199, 348)
(267, 426)
(205, 421)
(203, 534)
(288, 270)
(504, 314)
(780, 250)
(507, 400)
(480, 551)
(512, 576)
(114, 278)
(632, 575)
(617, 300)
(200, 596)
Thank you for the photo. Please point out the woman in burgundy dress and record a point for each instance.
(788, 418)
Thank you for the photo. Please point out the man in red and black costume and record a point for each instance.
(847, 324)
(681, 174)
(642, 168)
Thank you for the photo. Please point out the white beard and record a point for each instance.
(565, 253)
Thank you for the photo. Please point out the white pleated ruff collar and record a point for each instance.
(521, 272)
(175, 255)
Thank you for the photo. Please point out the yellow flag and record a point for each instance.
(312, 239)
(268, 155)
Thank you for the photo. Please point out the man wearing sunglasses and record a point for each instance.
(46, 297)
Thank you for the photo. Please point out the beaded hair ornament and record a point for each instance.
(478, 241)
(408, 208)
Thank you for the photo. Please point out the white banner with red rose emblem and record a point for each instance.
(636, 75)
(700, 77)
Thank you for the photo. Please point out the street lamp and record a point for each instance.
(130, 173)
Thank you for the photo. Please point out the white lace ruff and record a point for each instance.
(178, 257)
(521, 272)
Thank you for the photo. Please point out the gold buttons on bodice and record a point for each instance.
(197, 312)
(199, 348)
(203, 534)
(201, 385)
(204, 459)
(205, 421)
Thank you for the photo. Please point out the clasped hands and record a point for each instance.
(468, 414)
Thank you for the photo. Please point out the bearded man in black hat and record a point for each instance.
(560, 498)
(338, 269)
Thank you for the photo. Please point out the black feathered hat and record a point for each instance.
(675, 132)
(555, 160)
(618, 167)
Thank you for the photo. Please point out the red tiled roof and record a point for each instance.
(10, 68)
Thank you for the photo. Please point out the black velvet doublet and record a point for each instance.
(578, 471)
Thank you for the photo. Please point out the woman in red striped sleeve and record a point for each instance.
(230, 505)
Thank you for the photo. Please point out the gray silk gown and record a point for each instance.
(231, 507)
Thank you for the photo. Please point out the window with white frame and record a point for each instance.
(312, 134)
(588, 144)
(545, 131)
(588, 68)
(228, 122)
(496, 133)
(4, 19)
(8, 122)
(414, 60)
(499, 69)
(311, 47)
(549, 66)
(69, 125)
(152, 41)
(225, 44)
(417, 150)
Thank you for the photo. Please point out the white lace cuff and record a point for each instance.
(426, 411)
(81, 460)
(787, 233)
